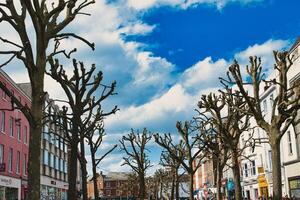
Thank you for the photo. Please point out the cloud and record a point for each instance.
(184, 4)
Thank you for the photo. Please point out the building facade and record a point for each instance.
(113, 185)
(14, 140)
(256, 171)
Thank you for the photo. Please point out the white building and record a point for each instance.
(257, 169)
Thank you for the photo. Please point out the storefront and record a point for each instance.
(10, 188)
(52, 189)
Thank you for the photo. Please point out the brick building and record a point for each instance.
(14, 140)
(114, 185)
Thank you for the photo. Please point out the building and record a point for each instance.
(54, 155)
(291, 140)
(54, 163)
(204, 178)
(113, 185)
(14, 140)
(257, 170)
(100, 186)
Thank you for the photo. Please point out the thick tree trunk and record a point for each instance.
(72, 173)
(83, 170)
(236, 175)
(219, 181)
(177, 181)
(173, 187)
(96, 192)
(34, 157)
(191, 186)
(142, 188)
(276, 169)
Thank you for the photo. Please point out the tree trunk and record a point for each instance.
(177, 181)
(142, 189)
(72, 173)
(34, 157)
(191, 186)
(83, 170)
(276, 169)
(96, 192)
(236, 175)
(219, 180)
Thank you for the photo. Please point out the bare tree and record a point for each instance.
(189, 146)
(94, 137)
(223, 112)
(81, 90)
(134, 145)
(284, 109)
(173, 165)
(48, 24)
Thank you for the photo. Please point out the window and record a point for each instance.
(11, 126)
(56, 163)
(271, 100)
(253, 169)
(46, 157)
(61, 166)
(19, 132)
(10, 160)
(246, 170)
(51, 160)
(66, 167)
(290, 145)
(1, 153)
(2, 126)
(18, 162)
(25, 135)
(270, 159)
(4, 93)
(25, 164)
(265, 105)
(108, 184)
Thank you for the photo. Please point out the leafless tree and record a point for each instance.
(223, 113)
(82, 92)
(134, 146)
(95, 133)
(49, 22)
(173, 167)
(284, 109)
(189, 146)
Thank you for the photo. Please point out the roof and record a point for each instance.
(14, 84)
(116, 176)
(295, 45)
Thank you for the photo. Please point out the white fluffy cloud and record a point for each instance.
(179, 102)
(184, 4)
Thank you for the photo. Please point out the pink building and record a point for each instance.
(14, 140)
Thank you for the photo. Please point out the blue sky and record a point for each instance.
(165, 53)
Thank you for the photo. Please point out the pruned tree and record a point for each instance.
(284, 108)
(222, 112)
(134, 146)
(49, 19)
(189, 152)
(167, 161)
(94, 136)
(82, 93)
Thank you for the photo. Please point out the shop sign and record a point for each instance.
(2, 167)
(260, 170)
(11, 182)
